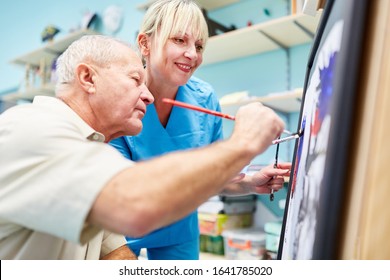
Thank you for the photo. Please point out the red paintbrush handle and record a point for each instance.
(196, 108)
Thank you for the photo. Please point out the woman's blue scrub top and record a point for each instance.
(185, 129)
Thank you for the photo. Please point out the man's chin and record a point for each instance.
(136, 130)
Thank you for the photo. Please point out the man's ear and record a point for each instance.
(143, 44)
(86, 77)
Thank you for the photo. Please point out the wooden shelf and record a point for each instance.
(210, 256)
(47, 53)
(202, 256)
(283, 32)
(207, 4)
(279, 33)
(286, 102)
(43, 58)
(30, 93)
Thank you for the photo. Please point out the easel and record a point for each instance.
(367, 211)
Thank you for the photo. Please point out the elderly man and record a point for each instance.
(66, 194)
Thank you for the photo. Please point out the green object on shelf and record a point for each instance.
(212, 244)
(216, 245)
(202, 243)
(49, 32)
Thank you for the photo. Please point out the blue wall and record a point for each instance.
(258, 74)
(22, 22)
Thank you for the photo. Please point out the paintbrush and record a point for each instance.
(288, 138)
(215, 113)
(196, 108)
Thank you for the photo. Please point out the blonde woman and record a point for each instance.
(172, 38)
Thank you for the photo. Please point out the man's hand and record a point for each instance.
(121, 253)
(255, 128)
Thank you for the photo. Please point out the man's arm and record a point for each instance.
(155, 193)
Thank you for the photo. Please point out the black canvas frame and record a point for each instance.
(344, 86)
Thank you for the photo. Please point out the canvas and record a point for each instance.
(315, 197)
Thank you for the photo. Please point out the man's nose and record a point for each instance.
(146, 95)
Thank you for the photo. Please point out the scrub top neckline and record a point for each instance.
(174, 119)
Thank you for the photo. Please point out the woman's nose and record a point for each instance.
(191, 52)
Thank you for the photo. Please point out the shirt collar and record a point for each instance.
(60, 107)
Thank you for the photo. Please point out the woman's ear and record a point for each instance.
(143, 44)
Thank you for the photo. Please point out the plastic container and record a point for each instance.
(229, 205)
(215, 224)
(245, 244)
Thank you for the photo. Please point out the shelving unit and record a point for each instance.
(41, 59)
(209, 256)
(286, 102)
(207, 4)
(30, 93)
(51, 49)
(279, 33)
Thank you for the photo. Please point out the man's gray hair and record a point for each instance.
(95, 49)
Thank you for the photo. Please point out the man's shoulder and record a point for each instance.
(31, 116)
(30, 126)
(26, 115)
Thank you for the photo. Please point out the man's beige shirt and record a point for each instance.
(52, 167)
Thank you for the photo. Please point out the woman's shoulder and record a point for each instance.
(197, 84)
(202, 93)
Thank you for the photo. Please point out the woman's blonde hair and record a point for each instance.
(165, 18)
